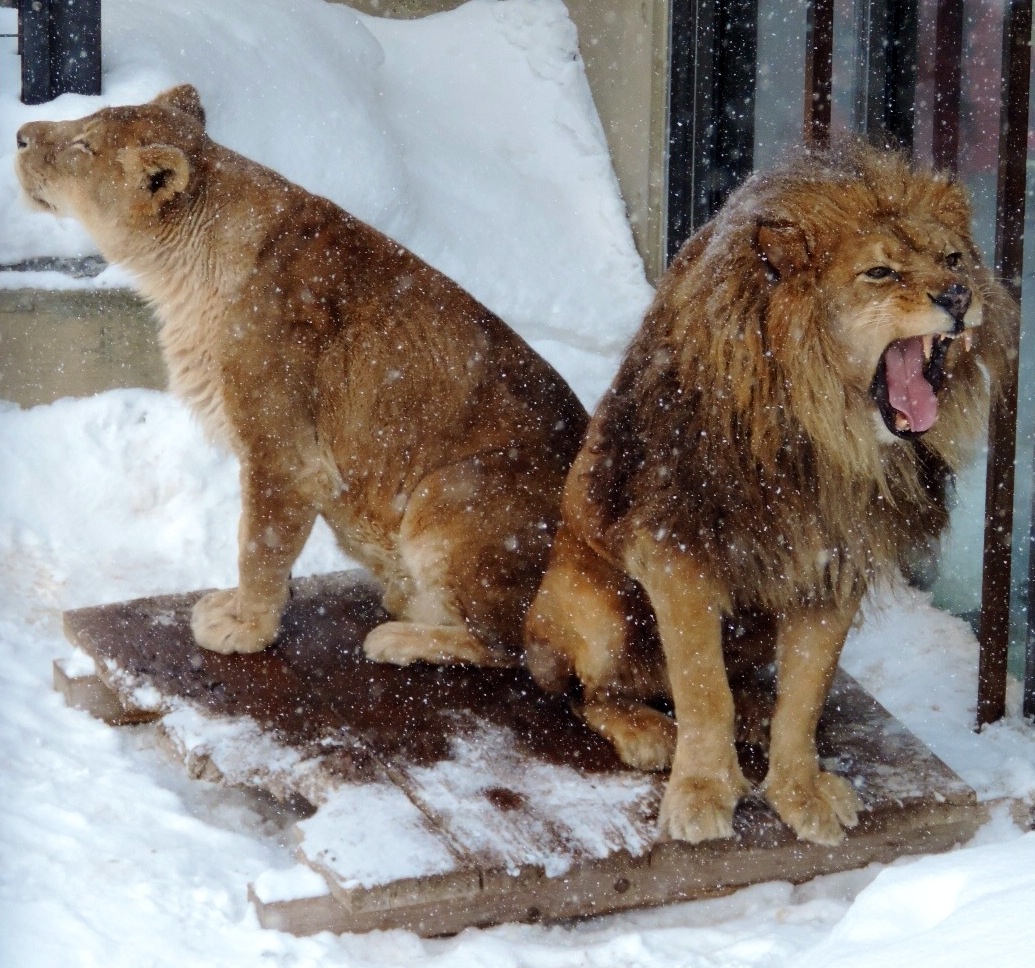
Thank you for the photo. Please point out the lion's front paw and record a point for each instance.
(700, 808)
(817, 808)
(218, 627)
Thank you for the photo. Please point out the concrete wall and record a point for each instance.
(625, 46)
(74, 343)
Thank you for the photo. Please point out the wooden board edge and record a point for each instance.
(671, 873)
(90, 694)
(302, 916)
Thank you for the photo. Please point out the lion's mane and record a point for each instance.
(741, 437)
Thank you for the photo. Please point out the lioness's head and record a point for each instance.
(887, 254)
(116, 168)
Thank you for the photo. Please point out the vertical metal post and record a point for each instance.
(948, 63)
(34, 37)
(60, 48)
(714, 48)
(887, 70)
(819, 72)
(76, 37)
(1002, 431)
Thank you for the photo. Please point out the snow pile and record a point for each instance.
(469, 136)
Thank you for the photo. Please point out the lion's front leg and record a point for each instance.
(817, 805)
(275, 523)
(706, 780)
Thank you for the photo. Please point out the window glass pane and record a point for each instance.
(779, 90)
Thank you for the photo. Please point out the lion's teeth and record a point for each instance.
(901, 422)
(968, 338)
(928, 346)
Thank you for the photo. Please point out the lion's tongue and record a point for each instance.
(908, 390)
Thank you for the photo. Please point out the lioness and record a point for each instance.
(351, 379)
(779, 435)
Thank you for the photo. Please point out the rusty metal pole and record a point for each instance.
(948, 73)
(819, 73)
(1002, 429)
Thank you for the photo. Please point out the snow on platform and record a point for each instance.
(441, 798)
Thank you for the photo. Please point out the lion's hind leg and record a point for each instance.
(591, 621)
(643, 737)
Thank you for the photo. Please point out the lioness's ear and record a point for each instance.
(783, 247)
(160, 171)
(184, 98)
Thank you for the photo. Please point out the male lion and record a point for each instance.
(779, 435)
(351, 379)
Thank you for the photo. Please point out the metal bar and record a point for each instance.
(899, 89)
(1009, 254)
(948, 74)
(690, 48)
(60, 44)
(886, 81)
(819, 72)
(34, 28)
(713, 45)
(75, 34)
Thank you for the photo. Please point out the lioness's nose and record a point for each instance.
(28, 134)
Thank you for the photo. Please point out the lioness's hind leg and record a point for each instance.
(473, 544)
(402, 643)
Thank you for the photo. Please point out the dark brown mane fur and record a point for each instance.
(739, 375)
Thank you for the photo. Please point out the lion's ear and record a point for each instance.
(161, 172)
(184, 98)
(783, 247)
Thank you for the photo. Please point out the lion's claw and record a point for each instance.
(817, 809)
(700, 808)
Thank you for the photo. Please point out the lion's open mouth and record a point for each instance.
(908, 377)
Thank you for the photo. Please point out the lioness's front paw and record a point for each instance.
(817, 807)
(699, 808)
(217, 626)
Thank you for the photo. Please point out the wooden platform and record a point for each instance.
(437, 799)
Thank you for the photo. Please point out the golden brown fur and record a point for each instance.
(741, 473)
(352, 380)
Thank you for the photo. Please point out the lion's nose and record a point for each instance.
(955, 300)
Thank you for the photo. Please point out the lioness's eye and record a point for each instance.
(83, 144)
(881, 272)
(954, 260)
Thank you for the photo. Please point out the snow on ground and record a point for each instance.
(470, 137)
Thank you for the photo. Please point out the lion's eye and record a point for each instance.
(880, 272)
(954, 260)
(83, 145)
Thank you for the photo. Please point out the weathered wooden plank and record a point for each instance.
(446, 798)
(86, 691)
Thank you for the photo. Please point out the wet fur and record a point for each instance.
(352, 380)
(735, 475)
